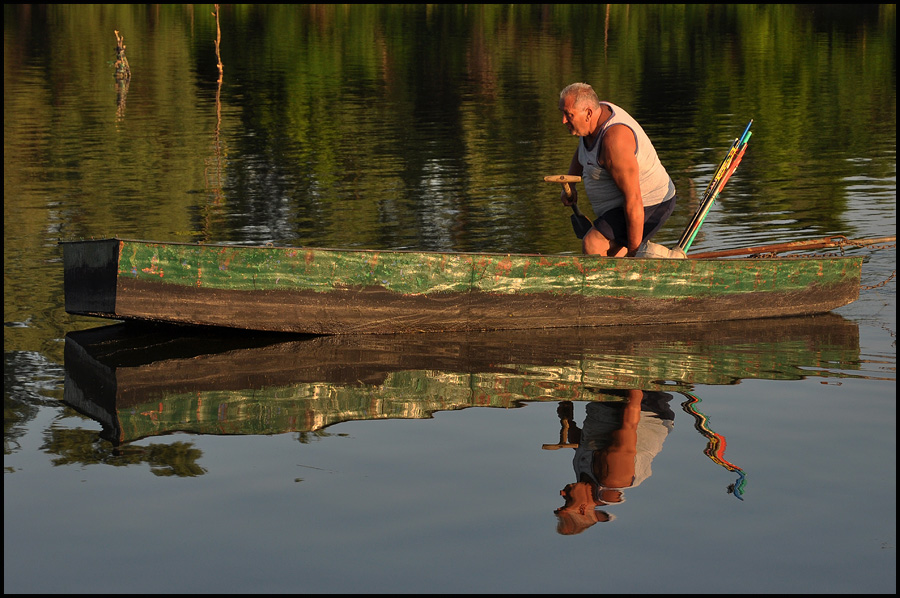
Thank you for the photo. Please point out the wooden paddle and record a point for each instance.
(580, 223)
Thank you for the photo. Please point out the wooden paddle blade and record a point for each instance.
(580, 223)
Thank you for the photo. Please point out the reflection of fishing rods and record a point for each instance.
(715, 448)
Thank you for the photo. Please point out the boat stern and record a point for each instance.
(90, 273)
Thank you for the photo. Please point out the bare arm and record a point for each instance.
(620, 454)
(619, 159)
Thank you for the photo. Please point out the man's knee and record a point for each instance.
(594, 243)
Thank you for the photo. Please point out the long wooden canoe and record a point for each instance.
(140, 381)
(333, 291)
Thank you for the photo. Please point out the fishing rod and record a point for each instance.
(726, 168)
(705, 209)
(723, 173)
(710, 188)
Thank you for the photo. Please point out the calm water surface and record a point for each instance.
(148, 461)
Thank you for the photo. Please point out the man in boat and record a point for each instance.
(629, 189)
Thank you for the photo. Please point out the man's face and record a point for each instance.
(575, 119)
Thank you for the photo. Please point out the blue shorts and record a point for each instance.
(613, 226)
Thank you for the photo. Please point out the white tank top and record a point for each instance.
(602, 191)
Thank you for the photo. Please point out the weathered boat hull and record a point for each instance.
(329, 291)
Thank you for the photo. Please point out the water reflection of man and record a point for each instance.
(616, 446)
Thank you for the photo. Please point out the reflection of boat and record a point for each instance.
(331, 291)
(140, 381)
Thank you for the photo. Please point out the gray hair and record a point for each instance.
(583, 94)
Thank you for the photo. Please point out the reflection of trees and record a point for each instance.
(323, 74)
(312, 77)
(16, 414)
(307, 437)
(81, 447)
(29, 382)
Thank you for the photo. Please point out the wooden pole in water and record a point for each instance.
(123, 71)
(218, 41)
(122, 74)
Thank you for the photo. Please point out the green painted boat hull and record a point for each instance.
(331, 291)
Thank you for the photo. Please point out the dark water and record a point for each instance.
(142, 461)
